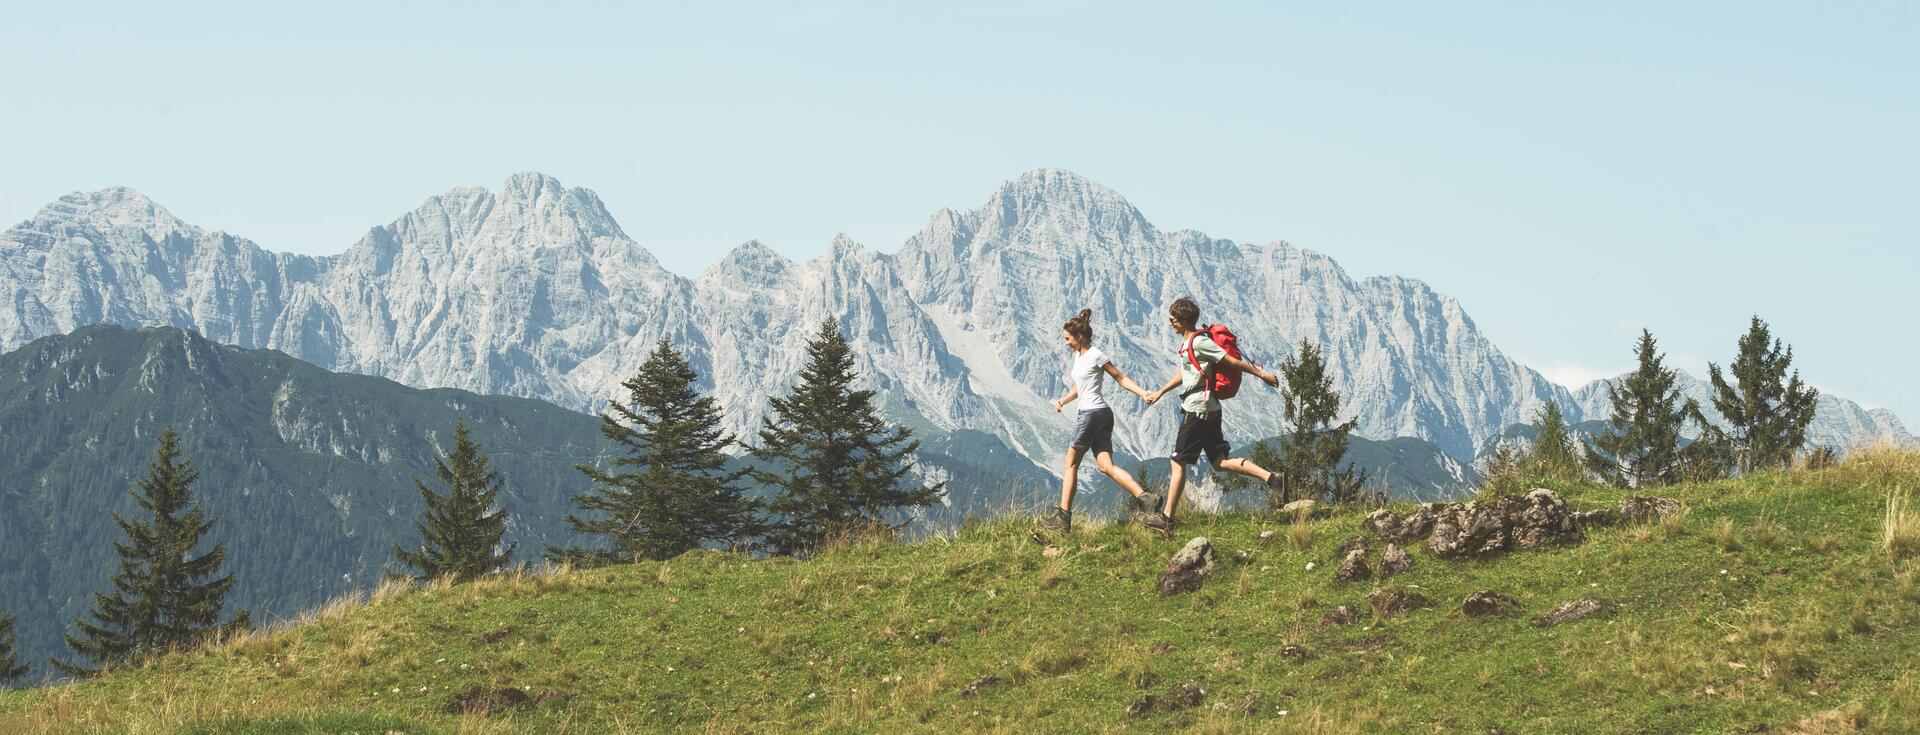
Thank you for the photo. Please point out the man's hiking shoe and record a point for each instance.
(1277, 483)
(1058, 521)
(1153, 519)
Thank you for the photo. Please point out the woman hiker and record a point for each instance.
(1093, 431)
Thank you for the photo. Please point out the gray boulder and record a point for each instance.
(1189, 567)
(1354, 567)
(1394, 561)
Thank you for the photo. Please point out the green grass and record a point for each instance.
(1772, 601)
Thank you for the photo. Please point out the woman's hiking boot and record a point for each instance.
(1058, 521)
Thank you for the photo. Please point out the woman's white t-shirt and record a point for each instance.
(1089, 376)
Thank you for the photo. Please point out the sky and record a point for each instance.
(1571, 174)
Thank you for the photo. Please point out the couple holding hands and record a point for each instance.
(1208, 372)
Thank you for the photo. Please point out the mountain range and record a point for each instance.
(535, 291)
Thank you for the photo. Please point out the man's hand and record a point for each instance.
(1056, 406)
(1272, 381)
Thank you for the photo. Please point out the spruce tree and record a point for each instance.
(10, 667)
(671, 492)
(1552, 454)
(835, 466)
(1767, 412)
(460, 531)
(163, 597)
(1315, 445)
(1642, 446)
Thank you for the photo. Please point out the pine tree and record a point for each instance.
(840, 469)
(460, 531)
(1313, 448)
(10, 667)
(672, 491)
(1767, 412)
(1552, 454)
(1642, 448)
(164, 597)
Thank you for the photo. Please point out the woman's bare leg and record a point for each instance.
(1070, 477)
(1119, 476)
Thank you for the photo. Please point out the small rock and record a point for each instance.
(1186, 695)
(1391, 526)
(1580, 609)
(1189, 567)
(1250, 705)
(1052, 551)
(1349, 546)
(1268, 535)
(1142, 706)
(979, 684)
(1597, 518)
(1341, 615)
(1648, 509)
(480, 700)
(1303, 508)
(1489, 602)
(1354, 567)
(1394, 561)
(1295, 652)
(1393, 601)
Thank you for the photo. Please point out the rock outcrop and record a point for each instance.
(1478, 529)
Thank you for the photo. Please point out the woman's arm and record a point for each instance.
(1172, 383)
(1125, 382)
(1071, 394)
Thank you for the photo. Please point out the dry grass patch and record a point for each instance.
(1900, 531)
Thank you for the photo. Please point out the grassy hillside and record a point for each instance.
(1771, 604)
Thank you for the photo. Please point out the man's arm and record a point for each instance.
(1172, 383)
(1247, 367)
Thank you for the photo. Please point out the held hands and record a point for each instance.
(1150, 398)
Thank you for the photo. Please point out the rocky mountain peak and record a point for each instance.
(117, 207)
(752, 262)
(1061, 202)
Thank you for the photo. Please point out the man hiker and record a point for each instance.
(1201, 360)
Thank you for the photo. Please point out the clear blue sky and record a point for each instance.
(1570, 174)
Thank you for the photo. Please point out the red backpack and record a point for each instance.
(1221, 380)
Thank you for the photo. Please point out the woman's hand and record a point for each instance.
(1056, 406)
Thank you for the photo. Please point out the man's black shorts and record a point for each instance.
(1093, 431)
(1199, 435)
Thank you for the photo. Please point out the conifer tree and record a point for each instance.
(1315, 445)
(1552, 454)
(460, 531)
(163, 596)
(671, 492)
(10, 667)
(1767, 412)
(1642, 446)
(835, 466)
